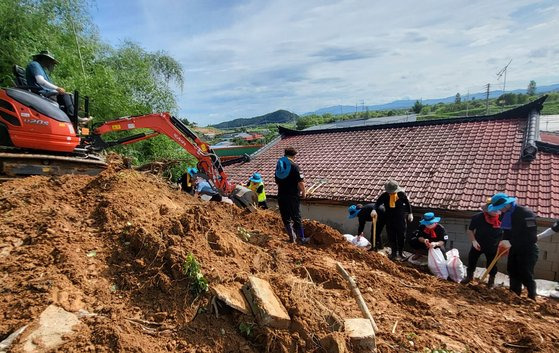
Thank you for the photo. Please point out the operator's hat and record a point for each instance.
(45, 54)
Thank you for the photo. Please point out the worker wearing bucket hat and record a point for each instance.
(396, 205)
(256, 184)
(291, 188)
(520, 236)
(187, 180)
(37, 77)
(484, 233)
(429, 234)
(364, 214)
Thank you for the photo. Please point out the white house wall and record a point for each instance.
(335, 216)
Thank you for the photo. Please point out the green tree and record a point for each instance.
(417, 107)
(531, 91)
(457, 99)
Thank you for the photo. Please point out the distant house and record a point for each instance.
(366, 122)
(448, 166)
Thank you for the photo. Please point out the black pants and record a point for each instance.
(396, 230)
(290, 211)
(473, 256)
(66, 103)
(263, 204)
(520, 267)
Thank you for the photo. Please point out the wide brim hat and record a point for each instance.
(429, 218)
(499, 201)
(256, 178)
(392, 186)
(353, 211)
(45, 54)
(192, 171)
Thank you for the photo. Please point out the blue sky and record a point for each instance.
(243, 58)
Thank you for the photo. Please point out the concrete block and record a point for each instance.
(232, 296)
(265, 305)
(47, 332)
(543, 265)
(360, 332)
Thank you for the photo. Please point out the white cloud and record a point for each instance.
(253, 57)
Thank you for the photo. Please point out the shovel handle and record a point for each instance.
(492, 264)
(374, 232)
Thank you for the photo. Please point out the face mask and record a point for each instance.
(431, 226)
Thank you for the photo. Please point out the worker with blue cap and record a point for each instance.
(187, 180)
(429, 234)
(256, 184)
(520, 235)
(364, 214)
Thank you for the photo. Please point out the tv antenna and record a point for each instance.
(502, 72)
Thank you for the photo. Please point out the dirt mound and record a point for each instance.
(115, 245)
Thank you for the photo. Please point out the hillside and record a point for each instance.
(277, 117)
(112, 249)
(408, 103)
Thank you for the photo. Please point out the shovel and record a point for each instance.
(374, 232)
(315, 186)
(492, 264)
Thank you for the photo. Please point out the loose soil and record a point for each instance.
(114, 245)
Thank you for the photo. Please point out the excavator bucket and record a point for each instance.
(244, 198)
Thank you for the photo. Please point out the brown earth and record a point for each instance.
(115, 244)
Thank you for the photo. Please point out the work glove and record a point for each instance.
(410, 218)
(427, 243)
(504, 244)
(476, 245)
(374, 214)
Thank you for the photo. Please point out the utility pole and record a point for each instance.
(362, 105)
(467, 103)
(502, 72)
(487, 99)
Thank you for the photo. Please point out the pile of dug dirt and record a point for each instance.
(111, 249)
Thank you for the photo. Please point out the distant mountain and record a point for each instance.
(277, 117)
(408, 103)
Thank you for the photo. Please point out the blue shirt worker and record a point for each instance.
(38, 79)
(256, 184)
(187, 180)
(291, 188)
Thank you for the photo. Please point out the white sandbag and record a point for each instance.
(455, 267)
(437, 263)
(361, 242)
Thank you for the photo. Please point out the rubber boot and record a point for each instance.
(290, 233)
(470, 277)
(491, 281)
(301, 234)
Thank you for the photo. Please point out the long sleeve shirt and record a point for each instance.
(402, 205)
(524, 230)
(364, 216)
(420, 232)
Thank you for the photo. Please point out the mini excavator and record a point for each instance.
(38, 138)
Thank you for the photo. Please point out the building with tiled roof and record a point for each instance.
(449, 166)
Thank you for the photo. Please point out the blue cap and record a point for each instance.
(500, 200)
(429, 218)
(192, 171)
(256, 178)
(353, 211)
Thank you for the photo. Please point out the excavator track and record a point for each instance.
(15, 163)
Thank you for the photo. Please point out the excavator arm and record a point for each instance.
(163, 123)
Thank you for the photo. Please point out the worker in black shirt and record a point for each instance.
(396, 205)
(364, 215)
(520, 235)
(429, 234)
(291, 188)
(484, 233)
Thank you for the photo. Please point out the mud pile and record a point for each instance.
(114, 245)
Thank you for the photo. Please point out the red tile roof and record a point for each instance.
(550, 137)
(451, 164)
